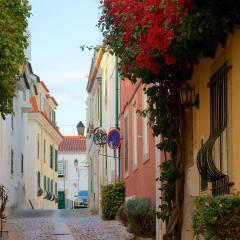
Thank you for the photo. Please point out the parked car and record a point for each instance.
(81, 200)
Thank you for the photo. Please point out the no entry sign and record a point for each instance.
(114, 139)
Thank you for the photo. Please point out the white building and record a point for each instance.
(22, 135)
(13, 141)
(72, 169)
(102, 111)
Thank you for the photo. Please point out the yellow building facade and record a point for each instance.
(42, 167)
(213, 152)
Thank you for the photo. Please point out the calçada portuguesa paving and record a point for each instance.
(76, 224)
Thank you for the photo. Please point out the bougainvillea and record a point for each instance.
(143, 29)
(159, 41)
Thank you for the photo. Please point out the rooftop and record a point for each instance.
(73, 144)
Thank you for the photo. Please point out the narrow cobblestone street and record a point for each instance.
(62, 225)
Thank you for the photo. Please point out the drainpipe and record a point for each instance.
(117, 109)
(100, 99)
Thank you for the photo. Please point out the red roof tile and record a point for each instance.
(73, 144)
(44, 86)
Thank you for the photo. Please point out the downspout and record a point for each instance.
(100, 99)
(117, 110)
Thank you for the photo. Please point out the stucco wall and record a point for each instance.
(141, 181)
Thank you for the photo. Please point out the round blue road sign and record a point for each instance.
(114, 139)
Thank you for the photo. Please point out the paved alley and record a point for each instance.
(62, 225)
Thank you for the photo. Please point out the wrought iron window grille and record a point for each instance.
(218, 122)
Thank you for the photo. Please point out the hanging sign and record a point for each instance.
(114, 139)
(99, 136)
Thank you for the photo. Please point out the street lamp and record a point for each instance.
(77, 170)
(186, 95)
(80, 128)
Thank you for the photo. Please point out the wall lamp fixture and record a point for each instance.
(186, 96)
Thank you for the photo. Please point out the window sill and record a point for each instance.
(135, 168)
(146, 158)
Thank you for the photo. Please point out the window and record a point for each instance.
(56, 188)
(12, 162)
(22, 164)
(48, 184)
(51, 156)
(44, 150)
(212, 157)
(38, 146)
(56, 160)
(40, 101)
(43, 104)
(53, 116)
(126, 144)
(203, 182)
(106, 85)
(45, 182)
(98, 103)
(51, 186)
(24, 96)
(49, 113)
(12, 121)
(60, 169)
(145, 130)
(38, 179)
(135, 136)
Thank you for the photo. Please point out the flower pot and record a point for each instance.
(53, 197)
(39, 192)
(49, 196)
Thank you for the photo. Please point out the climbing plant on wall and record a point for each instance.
(159, 41)
(13, 41)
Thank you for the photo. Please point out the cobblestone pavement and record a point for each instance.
(62, 225)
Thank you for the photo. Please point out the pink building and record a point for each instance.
(138, 165)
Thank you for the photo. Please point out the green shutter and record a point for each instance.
(56, 160)
(51, 156)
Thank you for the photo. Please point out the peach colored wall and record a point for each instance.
(141, 181)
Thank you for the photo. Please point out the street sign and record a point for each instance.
(114, 139)
(99, 136)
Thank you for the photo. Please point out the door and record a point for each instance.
(61, 200)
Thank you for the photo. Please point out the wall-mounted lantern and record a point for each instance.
(80, 128)
(186, 96)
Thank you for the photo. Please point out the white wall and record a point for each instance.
(71, 175)
(102, 169)
(13, 139)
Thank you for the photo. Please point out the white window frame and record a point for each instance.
(135, 134)
(146, 135)
(126, 171)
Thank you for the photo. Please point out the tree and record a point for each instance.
(13, 41)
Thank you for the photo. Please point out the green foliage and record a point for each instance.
(121, 215)
(13, 41)
(113, 196)
(140, 217)
(169, 174)
(217, 218)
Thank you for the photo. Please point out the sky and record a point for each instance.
(58, 28)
